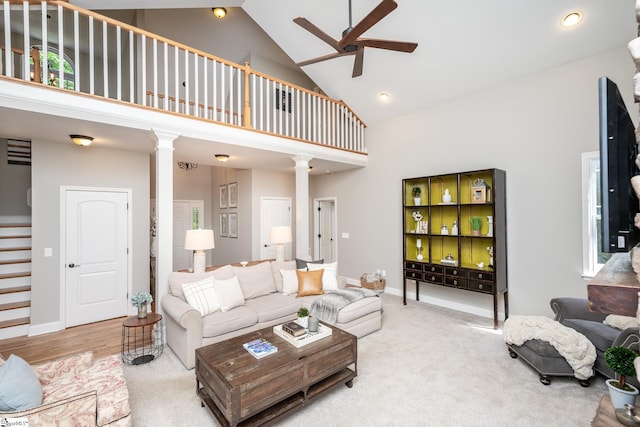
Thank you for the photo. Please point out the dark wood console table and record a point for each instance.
(614, 290)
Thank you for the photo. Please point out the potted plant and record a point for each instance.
(620, 359)
(303, 317)
(140, 301)
(476, 224)
(416, 192)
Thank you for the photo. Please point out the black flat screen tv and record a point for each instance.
(618, 152)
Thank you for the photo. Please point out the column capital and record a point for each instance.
(163, 138)
(302, 160)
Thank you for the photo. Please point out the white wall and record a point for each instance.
(536, 129)
(55, 165)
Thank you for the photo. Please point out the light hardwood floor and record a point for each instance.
(103, 338)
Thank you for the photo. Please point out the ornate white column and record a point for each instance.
(302, 205)
(164, 211)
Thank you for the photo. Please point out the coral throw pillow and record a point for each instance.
(309, 282)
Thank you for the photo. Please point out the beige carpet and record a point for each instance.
(426, 367)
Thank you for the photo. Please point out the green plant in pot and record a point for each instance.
(303, 317)
(620, 360)
(416, 192)
(476, 224)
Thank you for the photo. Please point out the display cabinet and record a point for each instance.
(454, 235)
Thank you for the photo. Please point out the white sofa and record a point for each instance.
(265, 305)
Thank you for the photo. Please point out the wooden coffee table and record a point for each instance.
(242, 390)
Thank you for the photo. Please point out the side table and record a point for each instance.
(142, 339)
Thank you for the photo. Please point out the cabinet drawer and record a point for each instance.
(481, 275)
(433, 278)
(456, 282)
(429, 268)
(454, 271)
(412, 265)
(481, 286)
(411, 274)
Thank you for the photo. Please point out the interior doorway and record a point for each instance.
(274, 211)
(325, 229)
(95, 241)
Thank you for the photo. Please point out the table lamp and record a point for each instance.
(199, 241)
(280, 235)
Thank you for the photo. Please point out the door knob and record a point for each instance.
(72, 265)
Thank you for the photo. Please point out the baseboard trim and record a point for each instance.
(44, 328)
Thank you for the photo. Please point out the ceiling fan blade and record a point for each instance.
(387, 44)
(324, 58)
(358, 62)
(380, 11)
(304, 23)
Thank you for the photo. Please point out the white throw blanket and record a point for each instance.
(577, 350)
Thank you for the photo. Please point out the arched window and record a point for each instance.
(53, 68)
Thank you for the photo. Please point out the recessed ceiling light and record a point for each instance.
(384, 97)
(571, 19)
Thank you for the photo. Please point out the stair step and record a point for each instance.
(15, 261)
(15, 225)
(21, 248)
(22, 236)
(14, 275)
(15, 289)
(14, 305)
(14, 322)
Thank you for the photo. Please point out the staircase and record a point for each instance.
(15, 279)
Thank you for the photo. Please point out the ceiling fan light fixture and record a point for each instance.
(81, 140)
(219, 12)
(222, 157)
(571, 19)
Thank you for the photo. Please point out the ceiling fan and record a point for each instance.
(351, 42)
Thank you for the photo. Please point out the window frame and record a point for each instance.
(590, 216)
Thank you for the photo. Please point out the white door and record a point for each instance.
(325, 246)
(274, 211)
(96, 259)
(183, 221)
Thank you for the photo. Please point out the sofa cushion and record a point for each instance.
(177, 278)
(229, 293)
(309, 282)
(276, 266)
(301, 263)
(219, 323)
(273, 306)
(256, 280)
(359, 308)
(600, 335)
(64, 367)
(329, 278)
(19, 385)
(201, 295)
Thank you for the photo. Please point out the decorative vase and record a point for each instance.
(417, 201)
(446, 197)
(620, 397)
(490, 220)
(475, 232)
(142, 311)
(303, 321)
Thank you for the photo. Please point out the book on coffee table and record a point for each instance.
(260, 348)
(304, 339)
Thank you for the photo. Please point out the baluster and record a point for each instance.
(118, 63)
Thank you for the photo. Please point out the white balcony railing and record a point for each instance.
(90, 53)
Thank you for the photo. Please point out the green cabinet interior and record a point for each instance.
(466, 260)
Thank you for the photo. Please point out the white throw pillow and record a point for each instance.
(202, 296)
(229, 293)
(330, 276)
(289, 282)
(620, 322)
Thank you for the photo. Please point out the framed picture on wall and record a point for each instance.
(233, 195)
(224, 225)
(283, 100)
(233, 225)
(223, 196)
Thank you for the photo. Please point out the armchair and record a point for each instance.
(575, 313)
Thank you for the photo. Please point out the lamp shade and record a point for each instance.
(197, 240)
(280, 234)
